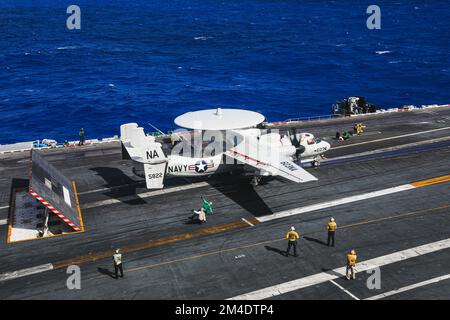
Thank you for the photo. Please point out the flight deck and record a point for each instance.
(388, 189)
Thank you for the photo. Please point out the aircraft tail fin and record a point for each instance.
(146, 151)
(154, 175)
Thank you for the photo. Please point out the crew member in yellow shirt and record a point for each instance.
(292, 237)
(351, 263)
(331, 227)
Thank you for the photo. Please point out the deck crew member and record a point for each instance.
(117, 257)
(358, 128)
(292, 237)
(331, 227)
(361, 127)
(199, 215)
(81, 134)
(351, 263)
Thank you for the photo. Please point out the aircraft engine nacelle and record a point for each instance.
(288, 151)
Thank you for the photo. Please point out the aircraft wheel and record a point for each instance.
(315, 163)
(255, 181)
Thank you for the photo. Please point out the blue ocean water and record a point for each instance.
(149, 61)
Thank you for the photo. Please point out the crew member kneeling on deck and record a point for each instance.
(199, 215)
(117, 257)
(331, 227)
(292, 237)
(351, 263)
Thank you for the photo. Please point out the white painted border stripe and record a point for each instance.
(3, 221)
(322, 277)
(334, 203)
(410, 287)
(383, 150)
(248, 222)
(25, 272)
(51, 208)
(345, 290)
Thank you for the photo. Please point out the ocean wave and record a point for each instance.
(382, 52)
(67, 48)
(202, 38)
(158, 76)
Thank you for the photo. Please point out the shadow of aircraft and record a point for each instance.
(241, 191)
(116, 178)
(237, 188)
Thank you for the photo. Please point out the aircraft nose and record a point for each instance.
(327, 145)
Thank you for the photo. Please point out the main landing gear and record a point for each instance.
(255, 180)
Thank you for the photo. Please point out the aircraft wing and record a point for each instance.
(291, 171)
(269, 162)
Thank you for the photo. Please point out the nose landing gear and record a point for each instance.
(316, 161)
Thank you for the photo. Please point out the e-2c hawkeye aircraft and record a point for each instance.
(224, 140)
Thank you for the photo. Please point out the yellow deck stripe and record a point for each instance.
(208, 231)
(92, 258)
(80, 216)
(156, 243)
(423, 183)
(8, 237)
(12, 209)
(254, 244)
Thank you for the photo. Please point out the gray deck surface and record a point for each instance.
(217, 264)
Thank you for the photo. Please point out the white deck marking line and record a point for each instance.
(333, 203)
(112, 188)
(322, 277)
(5, 207)
(410, 287)
(3, 221)
(390, 138)
(25, 272)
(97, 190)
(395, 148)
(144, 195)
(345, 290)
(248, 222)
